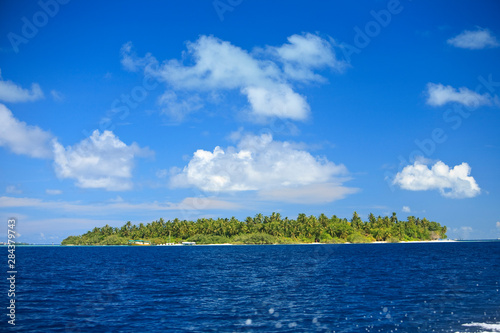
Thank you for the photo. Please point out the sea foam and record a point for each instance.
(491, 328)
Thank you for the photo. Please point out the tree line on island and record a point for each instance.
(267, 230)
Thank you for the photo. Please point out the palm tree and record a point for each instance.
(394, 218)
(303, 227)
(356, 221)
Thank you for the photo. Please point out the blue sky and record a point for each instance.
(135, 111)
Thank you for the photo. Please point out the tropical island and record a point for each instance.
(268, 230)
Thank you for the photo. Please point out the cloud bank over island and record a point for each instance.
(277, 170)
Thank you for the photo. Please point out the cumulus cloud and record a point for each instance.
(265, 77)
(498, 225)
(11, 92)
(439, 95)
(474, 39)
(21, 138)
(100, 161)
(280, 102)
(305, 53)
(258, 163)
(453, 182)
(406, 209)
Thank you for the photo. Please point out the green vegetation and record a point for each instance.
(256, 238)
(268, 230)
(358, 238)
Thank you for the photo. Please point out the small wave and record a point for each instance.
(491, 328)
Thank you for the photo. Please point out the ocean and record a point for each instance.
(417, 287)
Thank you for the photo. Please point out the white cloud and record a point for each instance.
(21, 138)
(439, 95)
(57, 95)
(260, 164)
(117, 206)
(308, 194)
(127, 61)
(498, 225)
(53, 192)
(116, 199)
(61, 227)
(177, 109)
(304, 53)
(132, 63)
(451, 182)
(162, 173)
(406, 209)
(462, 232)
(474, 39)
(100, 161)
(280, 101)
(19, 202)
(12, 189)
(11, 92)
(202, 203)
(265, 76)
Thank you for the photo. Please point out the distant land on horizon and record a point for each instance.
(271, 229)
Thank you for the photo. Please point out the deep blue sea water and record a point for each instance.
(441, 287)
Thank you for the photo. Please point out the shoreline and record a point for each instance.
(346, 243)
(421, 241)
(441, 241)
